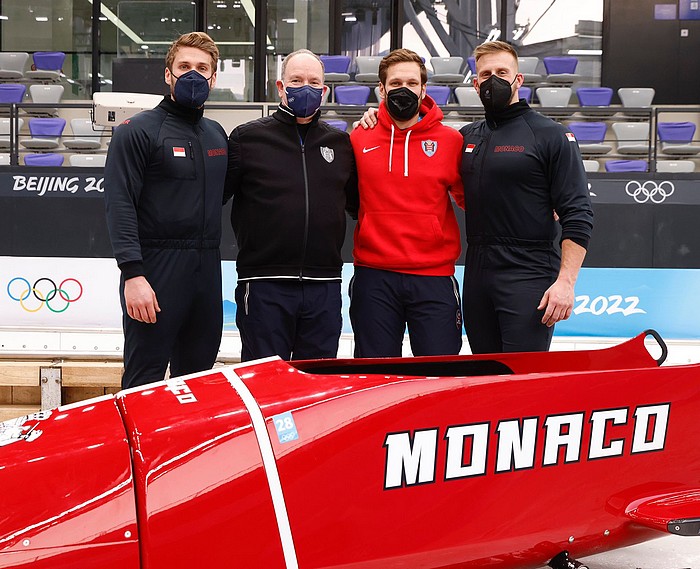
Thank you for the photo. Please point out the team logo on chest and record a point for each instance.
(328, 154)
(429, 147)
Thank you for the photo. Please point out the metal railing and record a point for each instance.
(454, 114)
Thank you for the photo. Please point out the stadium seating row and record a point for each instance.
(46, 67)
(39, 94)
(596, 99)
(453, 70)
(46, 133)
(55, 159)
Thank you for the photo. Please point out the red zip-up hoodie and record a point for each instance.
(406, 222)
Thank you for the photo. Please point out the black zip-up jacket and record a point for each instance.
(517, 167)
(164, 182)
(290, 193)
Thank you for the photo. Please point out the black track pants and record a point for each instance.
(187, 332)
(384, 303)
(295, 320)
(503, 286)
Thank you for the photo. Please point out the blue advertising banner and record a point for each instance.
(609, 302)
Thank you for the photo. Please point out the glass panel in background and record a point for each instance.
(444, 29)
(366, 27)
(52, 25)
(135, 37)
(231, 23)
(567, 27)
(292, 25)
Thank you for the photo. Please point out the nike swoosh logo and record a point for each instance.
(366, 150)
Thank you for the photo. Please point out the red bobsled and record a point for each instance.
(474, 461)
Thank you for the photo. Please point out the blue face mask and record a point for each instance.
(304, 101)
(191, 89)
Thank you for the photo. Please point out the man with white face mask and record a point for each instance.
(164, 182)
(519, 168)
(291, 178)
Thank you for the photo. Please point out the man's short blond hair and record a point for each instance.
(491, 47)
(199, 40)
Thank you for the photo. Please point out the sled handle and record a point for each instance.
(659, 340)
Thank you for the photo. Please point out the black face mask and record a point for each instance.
(402, 103)
(495, 93)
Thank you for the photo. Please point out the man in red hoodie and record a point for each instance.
(407, 238)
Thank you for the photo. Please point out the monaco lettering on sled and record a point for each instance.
(502, 461)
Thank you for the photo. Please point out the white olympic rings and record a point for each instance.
(650, 190)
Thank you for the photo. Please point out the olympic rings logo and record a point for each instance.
(649, 191)
(44, 292)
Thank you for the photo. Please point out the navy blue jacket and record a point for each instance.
(290, 193)
(516, 169)
(164, 183)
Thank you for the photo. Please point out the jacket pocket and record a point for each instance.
(178, 159)
(397, 240)
(472, 150)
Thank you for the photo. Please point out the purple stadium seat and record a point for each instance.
(337, 123)
(336, 68)
(45, 132)
(352, 94)
(594, 96)
(439, 93)
(525, 93)
(677, 137)
(597, 97)
(48, 159)
(561, 69)
(590, 137)
(676, 131)
(472, 64)
(47, 65)
(12, 92)
(626, 166)
(557, 64)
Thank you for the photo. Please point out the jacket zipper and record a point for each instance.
(306, 213)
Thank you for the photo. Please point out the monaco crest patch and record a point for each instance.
(429, 147)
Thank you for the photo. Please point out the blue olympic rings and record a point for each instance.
(44, 297)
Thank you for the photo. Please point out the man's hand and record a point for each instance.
(369, 119)
(141, 301)
(557, 302)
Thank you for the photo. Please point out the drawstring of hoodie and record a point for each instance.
(405, 154)
(391, 147)
(405, 151)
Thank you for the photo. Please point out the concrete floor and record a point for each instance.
(669, 552)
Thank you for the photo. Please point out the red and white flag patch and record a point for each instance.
(470, 147)
(571, 137)
(179, 152)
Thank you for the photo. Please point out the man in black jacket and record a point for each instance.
(520, 171)
(164, 182)
(291, 177)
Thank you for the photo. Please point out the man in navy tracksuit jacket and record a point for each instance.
(164, 182)
(521, 171)
(291, 177)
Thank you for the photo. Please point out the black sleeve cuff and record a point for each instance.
(132, 269)
(579, 240)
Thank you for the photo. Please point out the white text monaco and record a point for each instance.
(521, 444)
(44, 184)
